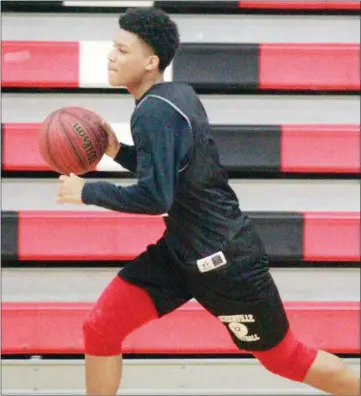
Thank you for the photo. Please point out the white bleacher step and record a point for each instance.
(154, 377)
(83, 285)
(287, 195)
(221, 109)
(193, 28)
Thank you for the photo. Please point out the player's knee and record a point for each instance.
(99, 340)
(290, 359)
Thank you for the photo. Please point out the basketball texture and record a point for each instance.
(72, 140)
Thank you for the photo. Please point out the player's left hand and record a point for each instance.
(70, 189)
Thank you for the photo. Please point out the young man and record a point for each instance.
(209, 251)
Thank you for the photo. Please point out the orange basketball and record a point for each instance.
(72, 140)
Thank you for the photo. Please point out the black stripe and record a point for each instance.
(31, 6)
(198, 7)
(217, 66)
(281, 232)
(174, 7)
(9, 236)
(249, 148)
(202, 90)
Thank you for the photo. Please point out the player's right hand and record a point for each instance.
(113, 142)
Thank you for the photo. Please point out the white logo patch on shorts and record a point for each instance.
(212, 262)
(239, 329)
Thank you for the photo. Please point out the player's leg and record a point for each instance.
(295, 360)
(121, 308)
(247, 302)
(147, 288)
(330, 374)
(299, 362)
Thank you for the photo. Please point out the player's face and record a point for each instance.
(130, 60)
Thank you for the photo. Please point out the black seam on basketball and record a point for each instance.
(47, 132)
(90, 128)
(84, 165)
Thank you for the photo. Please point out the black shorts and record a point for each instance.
(240, 293)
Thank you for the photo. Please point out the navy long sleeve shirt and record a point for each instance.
(179, 173)
(162, 139)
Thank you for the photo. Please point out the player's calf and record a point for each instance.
(330, 374)
(298, 362)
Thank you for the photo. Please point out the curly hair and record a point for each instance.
(156, 29)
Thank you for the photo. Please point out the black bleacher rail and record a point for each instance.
(173, 6)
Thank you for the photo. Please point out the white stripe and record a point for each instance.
(168, 73)
(93, 65)
(103, 3)
(72, 284)
(124, 135)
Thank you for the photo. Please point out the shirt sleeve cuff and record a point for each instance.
(124, 153)
(88, 193)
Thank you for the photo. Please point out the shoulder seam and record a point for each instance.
(178, 110)
(175, 107)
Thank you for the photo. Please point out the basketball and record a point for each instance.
(72, 140)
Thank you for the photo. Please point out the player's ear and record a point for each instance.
(152, 63)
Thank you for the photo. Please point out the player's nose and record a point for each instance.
(111, 55)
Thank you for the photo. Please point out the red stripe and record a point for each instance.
(40, 328)
(85, 235)
(332, 236)
(301, 5)
(20, 148)
(310, 66)
(320, 148)
(40, 64)
(101, 235)
(304, 148)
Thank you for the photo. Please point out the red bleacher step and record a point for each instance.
(106, 235)
(285, 66)
(303, 148)
(56, 328)
(301, 5)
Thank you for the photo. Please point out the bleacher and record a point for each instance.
(280, 81)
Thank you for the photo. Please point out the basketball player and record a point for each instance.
(210, 250)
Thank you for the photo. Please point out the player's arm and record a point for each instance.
(127, 157)
(162, 145)
(121, 153)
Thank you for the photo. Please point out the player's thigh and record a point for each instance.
(156, 272)
(246, 300)
(147, 288)
(120, 309)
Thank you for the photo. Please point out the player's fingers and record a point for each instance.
(108, 129)
(60, 199)
(106, 126)
(63, 178)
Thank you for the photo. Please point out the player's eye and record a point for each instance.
(118, 49)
